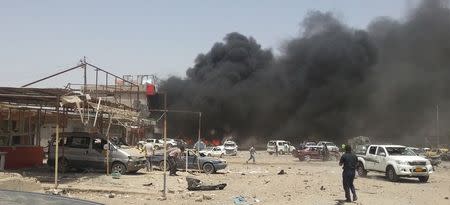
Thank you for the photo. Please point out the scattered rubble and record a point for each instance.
(281, 172)
(111, 195)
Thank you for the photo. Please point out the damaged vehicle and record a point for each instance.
(217, 151)
(315, 153)
(195, 162)
(86, 151)
(395, 161)
(230, 148)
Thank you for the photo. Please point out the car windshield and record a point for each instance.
(400, 151)
(329, 144)
(271, 143)
(229, 144)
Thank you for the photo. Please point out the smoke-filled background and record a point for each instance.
(331, 82)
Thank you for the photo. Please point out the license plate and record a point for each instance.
(419, 169)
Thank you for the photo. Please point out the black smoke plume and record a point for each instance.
(332, 81)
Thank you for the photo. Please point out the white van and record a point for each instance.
(283, 147)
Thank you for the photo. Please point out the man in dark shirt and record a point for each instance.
(348, 162)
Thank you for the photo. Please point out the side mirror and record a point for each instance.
(383, 154)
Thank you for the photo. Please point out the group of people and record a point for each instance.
(174, 153)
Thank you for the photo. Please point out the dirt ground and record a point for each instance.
(314, 182)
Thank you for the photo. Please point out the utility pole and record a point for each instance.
(165, 146)
(437, 125)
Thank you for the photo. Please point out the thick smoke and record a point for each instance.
(333, 81)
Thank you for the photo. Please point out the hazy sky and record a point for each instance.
(38, 38)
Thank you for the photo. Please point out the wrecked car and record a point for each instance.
(315, 153)
(84, 151)
(217, 151)
(196, 162)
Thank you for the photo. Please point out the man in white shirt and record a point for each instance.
(149, 152)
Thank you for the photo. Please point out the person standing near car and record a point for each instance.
(252, 154)
(348, 162)
(149, 152)
(174, 154)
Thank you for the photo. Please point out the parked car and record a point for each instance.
(230, 148)
(84, 150)
(217, 151)
(315, 153)
(331, 146)
(283, 147)
(206, 164)
(157, 144)
(395, 161)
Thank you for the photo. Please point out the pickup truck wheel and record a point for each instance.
(281, 152)
(391, 175)
(209, 155)
(221, 155)
(119, 167)
(270, 153)
(208, 168)
(423, 179)
(156, 147)
(361, 170)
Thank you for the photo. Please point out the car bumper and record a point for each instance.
(220, 166)
(136, 165)
(413, 171)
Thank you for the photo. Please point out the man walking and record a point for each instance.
(149, 152)
(252, 154)
(348, 162)
(174, 154)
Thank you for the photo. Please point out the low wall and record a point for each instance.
(23, 157)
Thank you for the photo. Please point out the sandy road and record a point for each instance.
(313, 182)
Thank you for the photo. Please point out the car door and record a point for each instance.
(370, 158)
(380, 164)
(96, 156)
(75, 150)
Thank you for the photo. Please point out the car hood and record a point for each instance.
(408, 158)
(131, 151)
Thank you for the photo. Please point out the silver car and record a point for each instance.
(82, 150)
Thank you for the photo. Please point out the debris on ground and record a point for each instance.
(281, 172)
(149, 184)
(111, 195)
(266, 181)
(446, 197)
(322, 188)
(208, 196)
(115, 175)
(15, 182)
(240, 200)
(197, 185)
(162, 198)
(199, 199)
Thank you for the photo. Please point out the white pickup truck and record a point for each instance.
(395, 161)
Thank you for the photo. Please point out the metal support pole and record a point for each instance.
(199, 134)
(57, 144)
(165, 147)
(109, 144)
(437, 125)
(96, 83)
